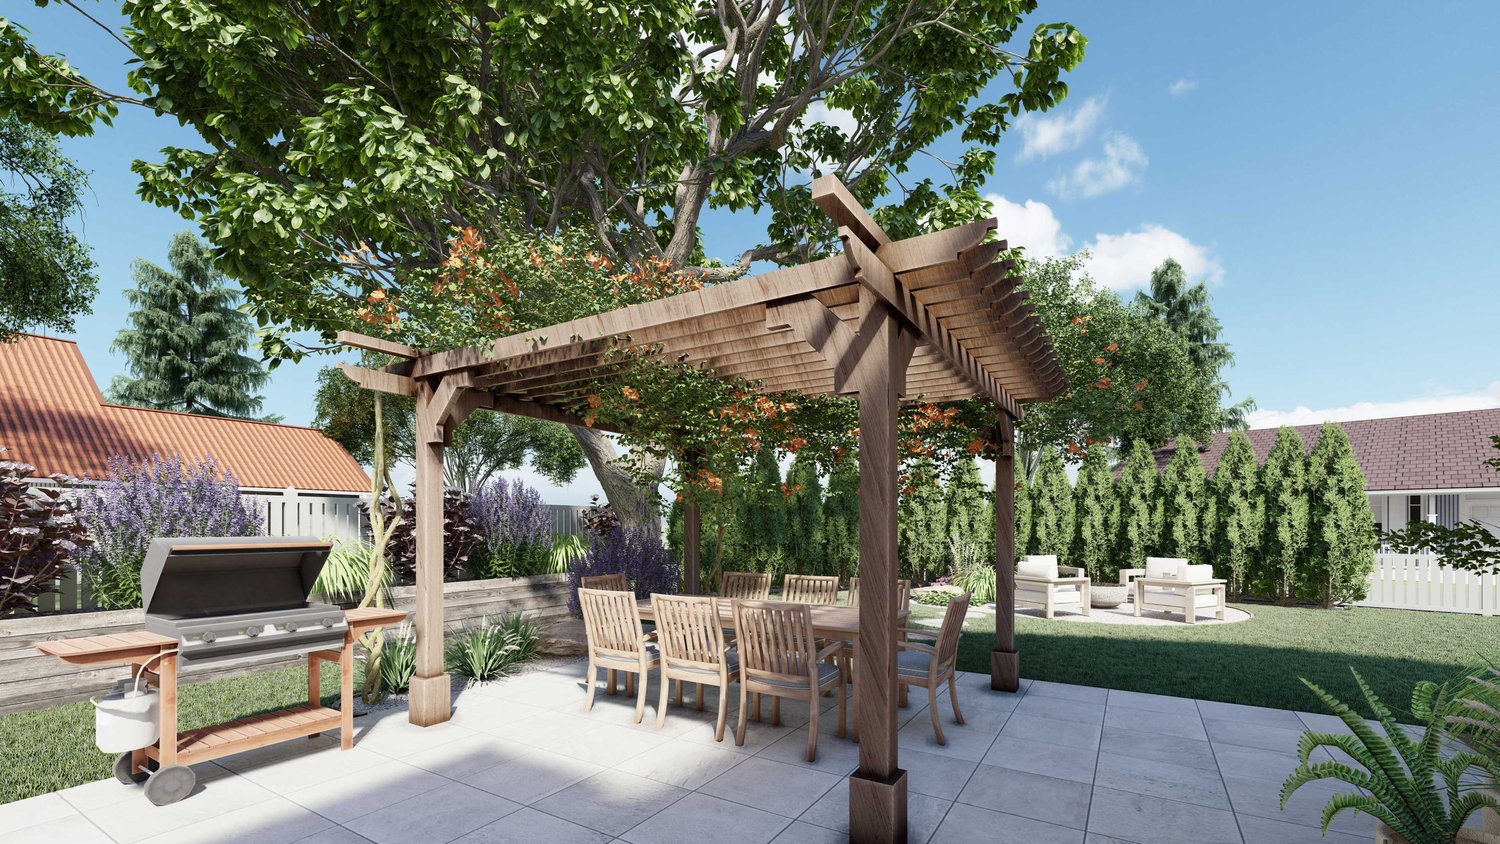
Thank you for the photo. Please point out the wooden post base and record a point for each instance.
(877, 809)
(430, 700)
(1005, 670)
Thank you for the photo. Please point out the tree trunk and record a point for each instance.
(633, 502)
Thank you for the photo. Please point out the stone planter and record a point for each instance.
(1107, 596)
(1467, 835)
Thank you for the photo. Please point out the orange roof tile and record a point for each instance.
(53, 417)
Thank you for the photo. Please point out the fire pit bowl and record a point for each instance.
(1107, 596)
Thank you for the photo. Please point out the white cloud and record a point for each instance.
(1030, 224)
(1042, 136)
(1124, 261)
(1450, 403)
(1182, 86)
(840, 119)
(1120, 166)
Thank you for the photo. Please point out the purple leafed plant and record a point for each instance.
(639, 553)
(40, 534)
(459, 535)
(515, 530)
(142, 500)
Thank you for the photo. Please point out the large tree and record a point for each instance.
(1236, 539)
(1187, 309)
(344, 142)
(1340, 527)
(1283, 479)
(46, 275)
(186, 342)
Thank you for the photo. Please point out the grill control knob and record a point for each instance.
(208, 636)
(252, 631)
(330, 621)
(291, 627)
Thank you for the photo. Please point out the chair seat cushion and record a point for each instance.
(913, 663)
(732, 665)
(1175, 597)
(653, 654)
(826, 674)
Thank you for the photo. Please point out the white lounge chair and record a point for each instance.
(1042, 583)
(1172, 584)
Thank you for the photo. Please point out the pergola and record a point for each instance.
(935, 317)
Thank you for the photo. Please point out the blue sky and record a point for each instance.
(1330, 168)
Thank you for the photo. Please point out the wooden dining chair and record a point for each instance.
(930, 665)
(691, 636)
(745, 585)
(903, 593)
(613, 582)
(779, 657)
(810, 589)
(616, 642)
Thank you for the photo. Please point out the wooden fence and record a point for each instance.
(1422, 582)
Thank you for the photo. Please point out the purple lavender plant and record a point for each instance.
(639, 553)
(515, 530)
(140, 501)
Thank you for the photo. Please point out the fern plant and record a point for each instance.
(1410, 785)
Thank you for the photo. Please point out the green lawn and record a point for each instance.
(1256, 662)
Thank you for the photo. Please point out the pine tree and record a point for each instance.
(184, 347)
(1341, 528)
(921, 538)
(1136, 525)
(1283, 481)
(1096, 508)
(804, 508)
(1183, 492)
(1052, 510)
(1025, 535)
(965, 515)
(1241, 513)
(841, 519)
(763, 516)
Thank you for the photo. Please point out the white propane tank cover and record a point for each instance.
(126, 719)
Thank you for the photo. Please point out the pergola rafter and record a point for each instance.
(935, 317)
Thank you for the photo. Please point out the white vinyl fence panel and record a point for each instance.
(1422, 582)
(293, 513)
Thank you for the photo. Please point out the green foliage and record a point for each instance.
(1468, 545)
(973, 571)
(397, 661)
(43, 536)
(1341, 528)
(1052, 510)
(186, 341)
(1138, 530)
(46, 274)
(969, 509)
(1186, 310)
(567, 550)
(935, 598)
(763, 518)
(1283, 480)
(346, 574)
(1241, 512)
(1097, 511)
(841, 519)
(804, 516)
(1182, 496)
(920, 524)
(1417, 787)
(1022, 507)
(487, 650)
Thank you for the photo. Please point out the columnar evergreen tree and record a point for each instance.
(1283, 481)
(921, 537)
(762, 516)
(1052, 509)
(841, 519)
(1183, 494)
(1096, 508)
(186, 341)
(1025, 535)
(1341, 528)
(966, 516)
(1241, 513)
(1136, 526)
(804, 517)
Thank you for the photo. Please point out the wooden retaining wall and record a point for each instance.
(32, 680)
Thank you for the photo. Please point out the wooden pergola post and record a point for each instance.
(1005, 661)
(431, 691)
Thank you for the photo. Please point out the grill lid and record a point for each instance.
(202, 576)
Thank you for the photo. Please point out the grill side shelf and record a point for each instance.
(250, 733)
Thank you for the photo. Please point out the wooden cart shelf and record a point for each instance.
(249, 733)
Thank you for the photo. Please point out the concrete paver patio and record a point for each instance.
(521, 762)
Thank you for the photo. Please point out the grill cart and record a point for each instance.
(211, 601)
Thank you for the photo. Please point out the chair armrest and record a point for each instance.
(648, 637)
(1069, 580)
(832, 650)
(914, 646)
(1129, 575)
(1071, 571)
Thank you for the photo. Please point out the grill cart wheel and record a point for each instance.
(170, 784)
(125, 772)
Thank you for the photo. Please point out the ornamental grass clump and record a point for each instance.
(638, 553)
(398, 660)
(143, 500)
(514, 530)
(40, 536)
(487, 650)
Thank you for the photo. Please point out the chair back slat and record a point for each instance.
(903, 593)
(614, 582)
(775, 640)
(611, 621)
(951, 631)
(689, 631)
(810, 589)
(745, 585)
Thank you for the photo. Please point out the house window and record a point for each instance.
(1414, 509)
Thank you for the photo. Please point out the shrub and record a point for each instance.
(566, 550)
(1095, 516)
(459, 535)
(935, 598)
(1237, 537)
(1135, 494)
(1283, 481)
(398, 660)
(1182, 498)
(346, 574)
(1052, 510)
(638, 553)
(973, 572)
(40, 536)
(514, 530)
(1341, 528)
(487, 650)
(599, 519)
(142, 501)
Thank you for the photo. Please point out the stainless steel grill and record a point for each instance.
(229, 598)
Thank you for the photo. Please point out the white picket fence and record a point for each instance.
(1422, 582)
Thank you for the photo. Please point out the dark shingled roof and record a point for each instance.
(1435, 451)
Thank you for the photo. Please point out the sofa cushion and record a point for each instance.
(1198, 572)
(1158, 567)
(1060, 594)
(1038, 565)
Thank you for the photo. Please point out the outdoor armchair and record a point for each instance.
(616, 642)
(1172, 584)
(691, 636)
(1042, 583)
(780, 657)
(929, 666)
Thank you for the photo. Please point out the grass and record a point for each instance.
(1256, 662)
